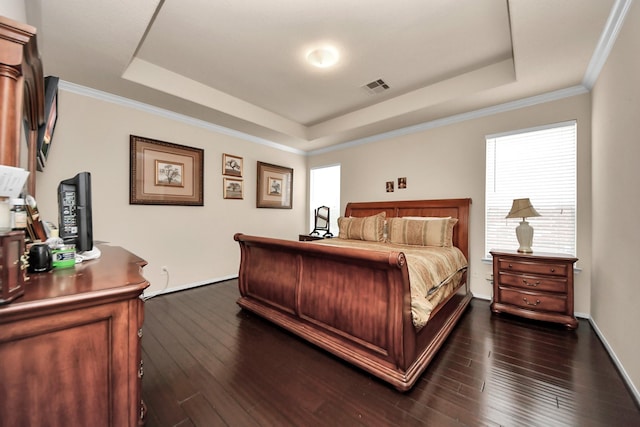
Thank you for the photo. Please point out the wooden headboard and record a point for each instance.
(455, 208)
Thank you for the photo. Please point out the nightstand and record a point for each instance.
(537, 286)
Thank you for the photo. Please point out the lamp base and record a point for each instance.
(524, 232)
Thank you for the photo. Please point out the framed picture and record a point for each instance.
(275, 186)
(231, 165)
(232, 188)
(163, 173)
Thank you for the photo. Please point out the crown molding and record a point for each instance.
(141, 106)
(607, 40)
(457, 118)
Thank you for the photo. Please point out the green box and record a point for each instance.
(64, 256)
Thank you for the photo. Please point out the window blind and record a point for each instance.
(540, 164)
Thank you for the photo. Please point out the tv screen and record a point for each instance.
(74, 209)
(45, 132)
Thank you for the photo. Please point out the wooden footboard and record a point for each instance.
(354, 303)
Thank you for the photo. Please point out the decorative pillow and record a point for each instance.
(367, 228)
(429, 232)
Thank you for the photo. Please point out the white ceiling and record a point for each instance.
(240, 63)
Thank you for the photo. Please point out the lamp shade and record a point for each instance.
(522, 208)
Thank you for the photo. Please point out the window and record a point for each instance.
(540, 164)
(325, 191)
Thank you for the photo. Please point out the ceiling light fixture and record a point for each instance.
(323, 57)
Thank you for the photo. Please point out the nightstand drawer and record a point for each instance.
(533, 267)
(534, 283)
(533, 301)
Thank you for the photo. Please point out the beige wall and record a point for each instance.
(195, 243)
(616, 206)
(13, 9)
(449, 162)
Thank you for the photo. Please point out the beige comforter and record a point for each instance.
(434, 272)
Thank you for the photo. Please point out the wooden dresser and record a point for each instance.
(536, 286)
(70, 351)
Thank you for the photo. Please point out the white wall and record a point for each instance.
(14, 9)
(616, 205)
(195, 243)
(449, 162)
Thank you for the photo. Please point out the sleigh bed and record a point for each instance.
(357, 302)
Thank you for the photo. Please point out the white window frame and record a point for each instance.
(548, 178)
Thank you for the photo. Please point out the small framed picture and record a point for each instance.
(233, 188)
(231, 165)
(402, 183)
(389, 186)
(275, 186)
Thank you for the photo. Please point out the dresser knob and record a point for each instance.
(531, 303)
(553, 270)
(510, 265)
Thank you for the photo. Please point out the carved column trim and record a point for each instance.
(21, 92)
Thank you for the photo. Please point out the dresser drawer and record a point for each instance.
(534, 301)
(534, 283)
(533, 267)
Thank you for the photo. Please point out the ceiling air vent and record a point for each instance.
(376, 86)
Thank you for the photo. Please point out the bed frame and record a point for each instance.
(351, 302)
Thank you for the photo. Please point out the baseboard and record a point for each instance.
(616, 361)
(480, 296)
(148, 295)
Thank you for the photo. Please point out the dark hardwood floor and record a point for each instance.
(208, 363)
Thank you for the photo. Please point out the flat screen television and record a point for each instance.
(45, 131)
(74, 210)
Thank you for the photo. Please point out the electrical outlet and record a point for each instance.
(164, 270)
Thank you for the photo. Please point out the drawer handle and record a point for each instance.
(553, 270)
(510, 265)
(531, 303)
(530, 283)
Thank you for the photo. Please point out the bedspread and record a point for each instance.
(434, 272)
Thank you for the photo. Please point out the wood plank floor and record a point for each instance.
(209, 363)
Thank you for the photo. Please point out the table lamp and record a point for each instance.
(522, 208)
